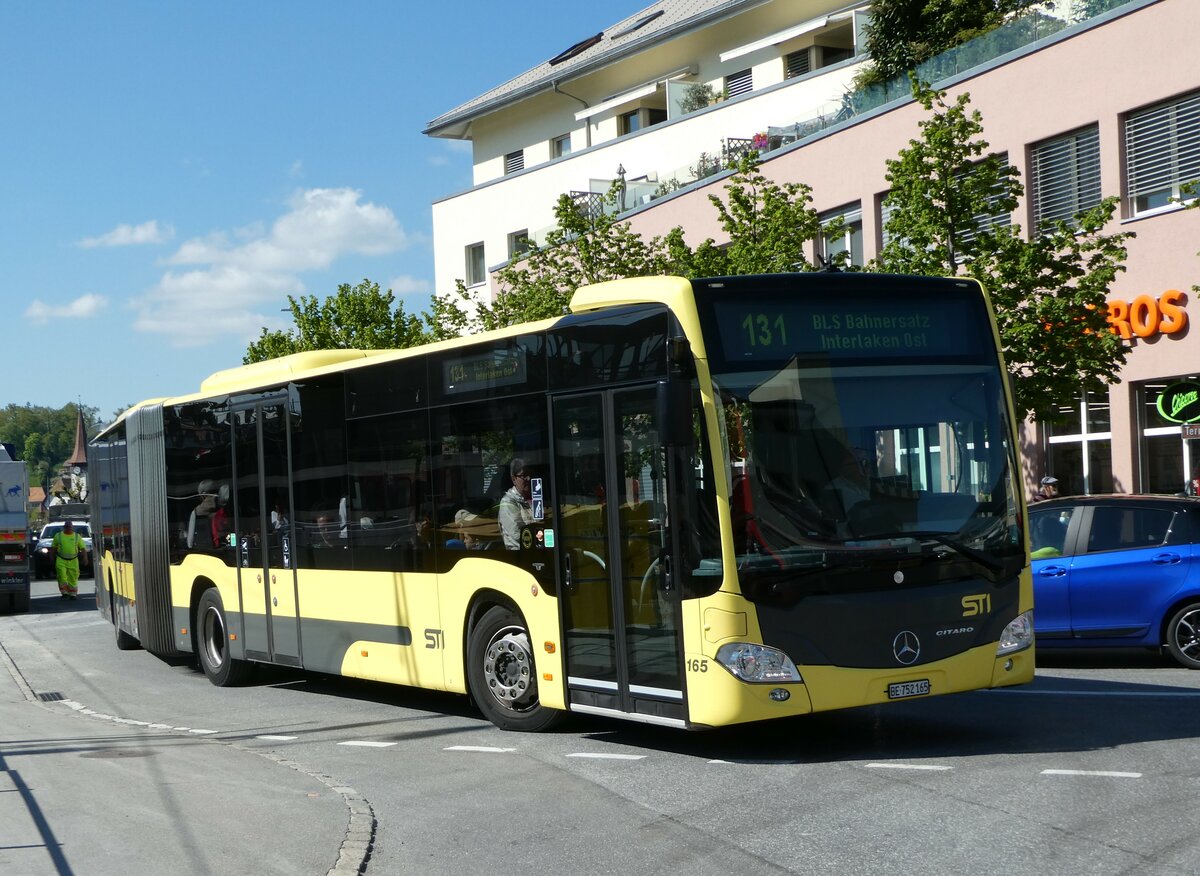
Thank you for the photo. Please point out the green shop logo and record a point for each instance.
(1180, 402)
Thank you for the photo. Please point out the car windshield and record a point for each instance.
(53, 529)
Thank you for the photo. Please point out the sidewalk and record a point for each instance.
(90, 795)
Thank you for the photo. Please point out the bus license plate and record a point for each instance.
(903, 689)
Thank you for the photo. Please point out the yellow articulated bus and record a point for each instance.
(688, 503)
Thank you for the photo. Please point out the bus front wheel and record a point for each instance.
(502, 675)
(221, 669)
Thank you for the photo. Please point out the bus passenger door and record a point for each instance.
(620, 612)
(266, 565)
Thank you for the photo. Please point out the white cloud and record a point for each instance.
(406, 285)
(228, 277)
(131, 235)
(297, 169)
(84, 306)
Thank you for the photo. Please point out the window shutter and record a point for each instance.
(1065, 176)
(992, 218)
(796, 64)
(1162, 147)
(741, 82)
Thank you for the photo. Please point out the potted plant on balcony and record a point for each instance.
(696, 96)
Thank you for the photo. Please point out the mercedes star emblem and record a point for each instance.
(906, 647)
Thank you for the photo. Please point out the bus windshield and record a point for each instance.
(865, 432)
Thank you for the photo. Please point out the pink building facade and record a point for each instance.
(1121, 99)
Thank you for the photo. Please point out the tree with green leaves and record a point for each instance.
(1049, 292)
(903, 33)
(940, 183)
(358, 317)
(43, 437)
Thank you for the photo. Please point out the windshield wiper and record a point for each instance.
(955, 545)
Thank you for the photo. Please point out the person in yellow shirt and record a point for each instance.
(68, 552)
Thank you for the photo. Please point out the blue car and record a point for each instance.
(1112, 571)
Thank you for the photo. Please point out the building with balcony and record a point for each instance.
(658, 99)
(1069, 95)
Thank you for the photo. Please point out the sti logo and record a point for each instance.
(977, 603)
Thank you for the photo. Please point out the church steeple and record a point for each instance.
(79, 457)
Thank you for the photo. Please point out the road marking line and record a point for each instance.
(598, 756)
(273, 738)
(367, 744)
(1109, 773)
(200, 732)
(906, 766)
(485, 749)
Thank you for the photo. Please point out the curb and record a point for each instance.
(354, 853)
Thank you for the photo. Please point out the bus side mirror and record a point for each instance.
(674, 405)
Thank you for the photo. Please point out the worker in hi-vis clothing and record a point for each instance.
(68, 551)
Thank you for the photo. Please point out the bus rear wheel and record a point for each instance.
(213, 645)
(502, 675)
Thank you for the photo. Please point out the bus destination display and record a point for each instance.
(484, 371)
(774, 330)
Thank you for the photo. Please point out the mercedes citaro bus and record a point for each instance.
(691, 503)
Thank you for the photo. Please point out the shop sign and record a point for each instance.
(1191, 430)
(1146, 316)
(1180, 402)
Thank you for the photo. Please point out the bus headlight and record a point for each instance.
(1017, 636)
(757, 664)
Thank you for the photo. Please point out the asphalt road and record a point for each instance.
(1092, 769)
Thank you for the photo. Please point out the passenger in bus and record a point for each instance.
(515, 510)
(465, 537)
(329, 530)
(279, 520)
(422, 539)
(219, 521)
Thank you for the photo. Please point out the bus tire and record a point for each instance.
(501, 673)
(20, 602)
(213, 642)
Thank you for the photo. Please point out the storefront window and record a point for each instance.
(1100, 476)
(1067, 423)
(1098, 419)
(1079, 446)
(1163, 461)
(1168, 461)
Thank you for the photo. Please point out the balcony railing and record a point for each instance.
(1022, 31)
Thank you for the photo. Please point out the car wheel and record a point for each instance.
(1183, 636)
(501, 673)
(213, 645)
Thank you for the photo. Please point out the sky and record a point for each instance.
(171, 171)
